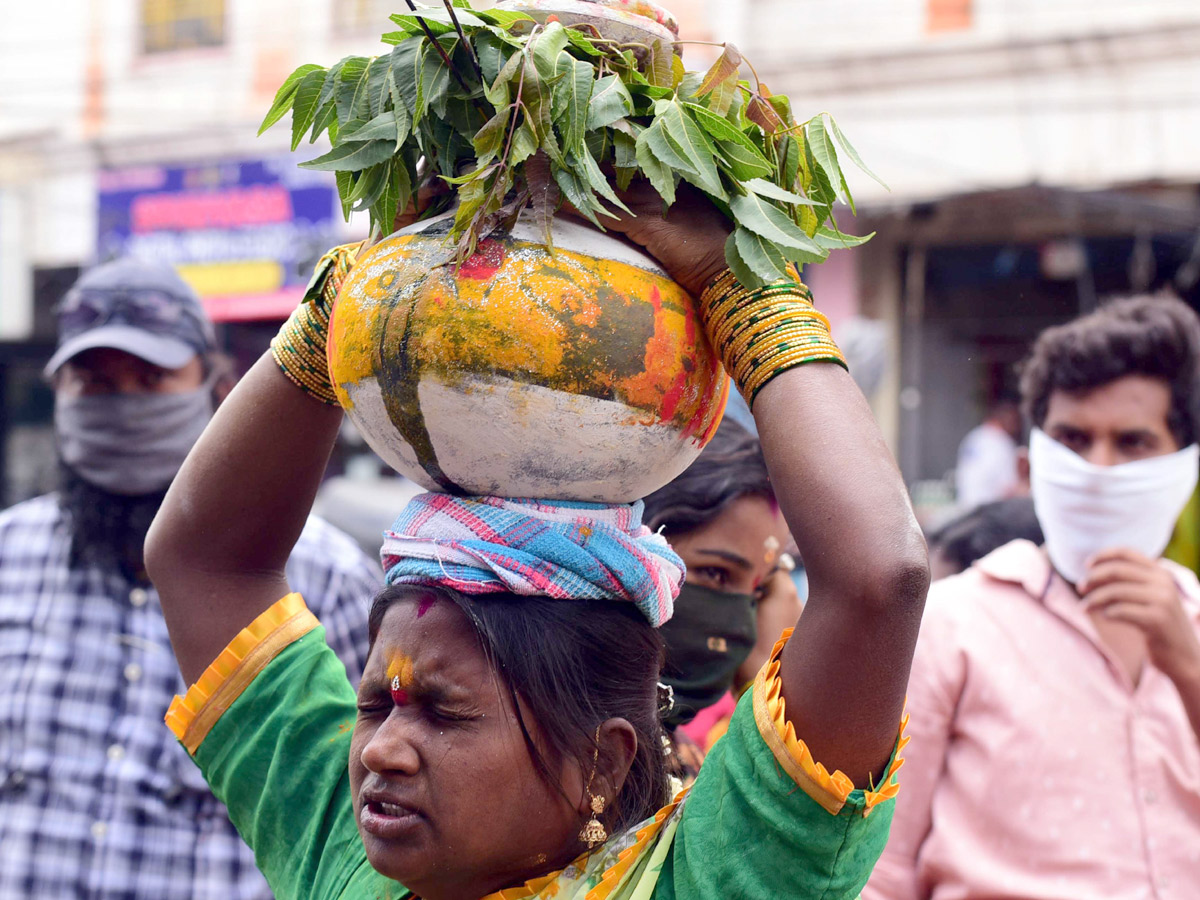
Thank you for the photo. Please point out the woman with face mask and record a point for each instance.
(722, 518)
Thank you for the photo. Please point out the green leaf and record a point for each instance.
(351, 157)
(403, 125)
(397, 194)
(743, 162)
(578, 194)
(326, 119)
(658, 69)
(624, 150)
(369, 186)
(581, 43)
(411, 23)
(718, 127)
(597, 181)
(490, 138)
(405, 61)
(690, 142)
(770, 189)
(524, 144)
(304, 105)
(504, 18)
(845, 144)
(345, 184)
(381, 85)
(659, 174)
(433, 82)
(825, 155)
(546, 47)
(610, 102)
(498, 93)
(790, 161)
(283, 97)
(721, 99)
(836, 240)
(571, 93)
(492, 53)
(744, 274)
(760, 255)
(382, 127)
(819, 188)
(538, 105)
(754, 212)
(723, 71)
(351, 91)
(439, 15)
(743, 158)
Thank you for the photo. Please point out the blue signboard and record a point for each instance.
(244, 233)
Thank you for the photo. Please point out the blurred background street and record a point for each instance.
(1041, 156)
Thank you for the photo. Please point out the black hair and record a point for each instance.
(574, 664)
(729, 467)
(1154, 336)
(977, 533)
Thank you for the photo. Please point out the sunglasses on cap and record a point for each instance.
(145, 309)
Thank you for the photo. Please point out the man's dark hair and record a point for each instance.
(1154, 336)
(574, 664)
(729, 467)
(977, 533)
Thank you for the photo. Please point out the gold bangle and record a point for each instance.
(300, 347)
(762, 333)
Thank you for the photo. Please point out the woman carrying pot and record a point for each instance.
(505, 744)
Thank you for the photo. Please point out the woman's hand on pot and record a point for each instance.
(689, 241)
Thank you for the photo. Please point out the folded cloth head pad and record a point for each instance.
(562, 549)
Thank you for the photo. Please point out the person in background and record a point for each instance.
(97, 800)
(722, 518)
(973, 535)
(1055, 693)
(987, 457)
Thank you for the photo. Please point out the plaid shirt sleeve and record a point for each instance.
(97, 798)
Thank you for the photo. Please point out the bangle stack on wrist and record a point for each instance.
(762, 333)
(299, 349)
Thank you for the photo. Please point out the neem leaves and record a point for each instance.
(534, 115)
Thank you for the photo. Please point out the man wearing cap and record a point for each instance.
(97, 800)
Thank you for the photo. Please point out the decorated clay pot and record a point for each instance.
(634, 22)
(582, 374)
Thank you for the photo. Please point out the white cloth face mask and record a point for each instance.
(1084, 508)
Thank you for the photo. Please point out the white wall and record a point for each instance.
(1116, 100)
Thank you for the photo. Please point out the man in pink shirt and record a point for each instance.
(1055, 693)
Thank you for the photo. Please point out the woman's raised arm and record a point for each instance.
(217, 549)
(845, 670)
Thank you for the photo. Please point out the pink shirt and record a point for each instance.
(1036, 768)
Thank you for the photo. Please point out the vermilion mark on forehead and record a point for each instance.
(426, 604)
(400, 677)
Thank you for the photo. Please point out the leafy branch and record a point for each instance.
(516, 115)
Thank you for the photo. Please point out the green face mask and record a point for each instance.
(708, 637)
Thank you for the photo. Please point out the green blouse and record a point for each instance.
(270, 724)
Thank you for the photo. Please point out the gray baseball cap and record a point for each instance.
(140, 307)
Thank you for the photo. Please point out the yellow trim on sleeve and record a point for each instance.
(193, 715)
(792, 754)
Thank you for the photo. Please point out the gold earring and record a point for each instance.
(593, 832)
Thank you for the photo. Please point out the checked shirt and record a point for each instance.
(97, 800)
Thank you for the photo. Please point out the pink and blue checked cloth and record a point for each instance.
(562, 549)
